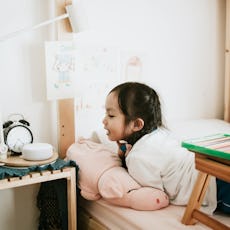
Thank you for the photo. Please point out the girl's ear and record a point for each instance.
(138, 124)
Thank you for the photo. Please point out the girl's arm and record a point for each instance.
(145, 171)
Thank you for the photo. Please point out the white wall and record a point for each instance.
(22, 90)
(184, 40)
(185, 44)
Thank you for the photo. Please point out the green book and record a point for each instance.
(217, 145)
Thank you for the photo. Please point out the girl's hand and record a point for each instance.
(123, 148)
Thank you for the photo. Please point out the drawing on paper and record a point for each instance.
(60, 69)
(132, 65)
(84, 70)
(75, 69)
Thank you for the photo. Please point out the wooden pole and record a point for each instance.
(66, 124)
(227, 65)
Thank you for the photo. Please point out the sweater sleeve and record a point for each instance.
(145, 173)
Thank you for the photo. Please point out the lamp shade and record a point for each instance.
(77, 17)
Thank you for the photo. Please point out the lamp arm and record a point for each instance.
(18, 32)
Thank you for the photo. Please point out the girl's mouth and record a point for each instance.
(107, 131)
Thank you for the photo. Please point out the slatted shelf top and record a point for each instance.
(36, 177)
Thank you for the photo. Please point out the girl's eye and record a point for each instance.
(109, 115)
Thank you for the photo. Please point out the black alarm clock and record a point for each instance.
(16, 134)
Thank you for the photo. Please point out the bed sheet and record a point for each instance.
(119, 218)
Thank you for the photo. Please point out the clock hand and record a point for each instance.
(19, 140)
(18, 145)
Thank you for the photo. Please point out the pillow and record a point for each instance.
(101, 137)
(188, 129)
(93, 160)
(101, 175)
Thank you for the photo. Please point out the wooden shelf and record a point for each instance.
(68, 173)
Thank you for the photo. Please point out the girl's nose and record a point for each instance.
(104, 121)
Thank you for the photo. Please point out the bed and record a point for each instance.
(102, 215)
(113, 217)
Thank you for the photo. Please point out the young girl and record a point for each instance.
(152, 156)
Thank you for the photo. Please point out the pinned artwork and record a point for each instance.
(132, 65)
(72, 69)
(97, 67)
(60, 69)
(87, 72)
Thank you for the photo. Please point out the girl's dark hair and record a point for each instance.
(137, 100)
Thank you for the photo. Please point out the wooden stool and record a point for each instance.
(208, 165)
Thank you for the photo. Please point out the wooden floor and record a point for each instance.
(87, 222)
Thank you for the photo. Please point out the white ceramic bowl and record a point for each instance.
(37, 151)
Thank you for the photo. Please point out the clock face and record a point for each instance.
(17, 137)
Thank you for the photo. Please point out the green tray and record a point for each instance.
(217, 145)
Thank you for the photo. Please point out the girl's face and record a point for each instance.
(114, 121)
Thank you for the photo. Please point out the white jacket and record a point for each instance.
(159, 161)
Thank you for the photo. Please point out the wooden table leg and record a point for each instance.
(196, 198)
(72, 202)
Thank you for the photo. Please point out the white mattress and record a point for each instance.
(119, 218)
(168, 218)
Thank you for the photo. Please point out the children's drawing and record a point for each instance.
(89, 71)
(132, 65)
(60, 69)
(64, 64)
(133, 68)
(74, 69)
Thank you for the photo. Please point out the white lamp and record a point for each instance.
(77, 16)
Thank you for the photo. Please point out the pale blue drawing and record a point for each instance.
(64, 65)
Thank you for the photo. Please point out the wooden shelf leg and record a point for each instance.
(196, 198)
(72, 201)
